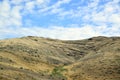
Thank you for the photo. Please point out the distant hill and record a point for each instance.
(38, 58)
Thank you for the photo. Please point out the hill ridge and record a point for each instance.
(42, 56)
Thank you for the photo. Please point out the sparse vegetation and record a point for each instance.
(1, 68)
(117, 59)
(21, 67)
(58, 72)
(34, 58)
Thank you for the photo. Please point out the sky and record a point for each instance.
(59, 19)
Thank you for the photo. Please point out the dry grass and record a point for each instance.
(34, 58)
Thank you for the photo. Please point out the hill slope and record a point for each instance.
(36, 58)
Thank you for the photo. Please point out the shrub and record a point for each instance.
(21, 67)
(58, 72)
(1, 68)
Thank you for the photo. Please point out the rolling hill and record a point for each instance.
(38, 58)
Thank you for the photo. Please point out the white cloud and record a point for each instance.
(114, 18)
(61, 32)
(69, 33)
(30, 5)
(9, 16)
(55, 8)
(107, 19)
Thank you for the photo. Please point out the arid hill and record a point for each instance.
(37, 58)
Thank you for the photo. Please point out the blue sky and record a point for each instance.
(59, 19)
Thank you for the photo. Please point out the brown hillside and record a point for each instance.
(36, 58)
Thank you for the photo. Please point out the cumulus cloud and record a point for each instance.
(59, 32)
(98, 19)
(12, 11)
(9, 16)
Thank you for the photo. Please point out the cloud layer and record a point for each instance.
(65, 19)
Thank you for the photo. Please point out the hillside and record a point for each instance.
(37, 58)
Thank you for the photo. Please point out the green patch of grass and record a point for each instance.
(58, 72)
